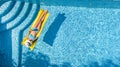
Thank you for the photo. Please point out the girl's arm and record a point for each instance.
(28, 33)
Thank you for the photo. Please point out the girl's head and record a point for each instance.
(28, 43)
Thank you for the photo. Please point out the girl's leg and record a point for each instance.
(38, 23)
(38, 26)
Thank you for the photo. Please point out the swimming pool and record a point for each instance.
(77, 33)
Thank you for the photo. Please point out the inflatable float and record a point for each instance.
(32, 26)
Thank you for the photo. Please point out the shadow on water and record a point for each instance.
(40, 60)
(21, 35)
(106, 63)
(53, 29)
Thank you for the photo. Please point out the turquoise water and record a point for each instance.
(77, 34)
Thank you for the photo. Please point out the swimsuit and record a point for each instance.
(35, 29)
(31, 36)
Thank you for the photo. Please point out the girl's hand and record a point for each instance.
(36, 39)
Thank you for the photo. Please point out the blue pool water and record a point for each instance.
(77, 34)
